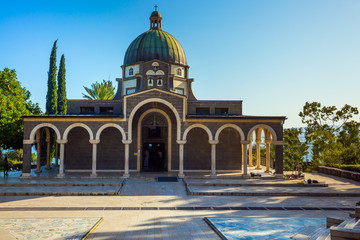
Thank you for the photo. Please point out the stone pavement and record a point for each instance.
(146, 209)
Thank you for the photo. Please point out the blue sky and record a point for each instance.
(273, 55)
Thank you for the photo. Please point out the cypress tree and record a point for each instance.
(51, 96)
(61, 92)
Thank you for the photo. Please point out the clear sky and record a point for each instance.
(273, 55)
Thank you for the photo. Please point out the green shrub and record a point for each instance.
(353, 168)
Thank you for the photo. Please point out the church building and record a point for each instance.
(154, 123)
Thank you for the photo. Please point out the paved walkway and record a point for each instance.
(146, 209)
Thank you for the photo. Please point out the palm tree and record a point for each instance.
(100, 91)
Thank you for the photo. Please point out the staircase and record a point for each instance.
(336, 229)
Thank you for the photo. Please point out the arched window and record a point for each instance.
(150, 82)
(179, 72)
(160, 82)
(131, 71)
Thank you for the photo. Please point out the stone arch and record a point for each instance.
(98, 133)
(140, 104)
(199, 126)
(37, 127)
(263, 126)
(74, 125)
(169, 134)
(230, 125)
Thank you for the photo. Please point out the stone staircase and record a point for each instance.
(336, 229)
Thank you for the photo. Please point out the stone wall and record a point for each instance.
(340, 173)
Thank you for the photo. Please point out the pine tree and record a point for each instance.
(61, 92)
(51, 96)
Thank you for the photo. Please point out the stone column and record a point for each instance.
(267, 142)
(56, 154)
(126, 170)
(38, 154)
(245, 155)
(279, 169)
(250, 152)
(213, 157)
(47, 152)
(62, 150)
(26, 169)
(94, 155)
(181, 157)
(258, 156)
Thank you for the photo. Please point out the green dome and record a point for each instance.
(155, 14)
(155, 44)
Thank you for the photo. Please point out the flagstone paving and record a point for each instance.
(146, 209)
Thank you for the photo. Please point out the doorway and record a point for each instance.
(154, 143)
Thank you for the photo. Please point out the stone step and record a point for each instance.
(321, 232)
(339, 233)
(334, 221)
(345, 222)
(304, 233)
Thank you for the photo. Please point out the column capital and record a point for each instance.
(213, 142)
(245, 142)
(94, 141)
(258, 141)
(126, 142)
(181, 142)
(61, 141)
(267, 141)
(28, 141)
(278, 142)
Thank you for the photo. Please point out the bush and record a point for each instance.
(353, 168)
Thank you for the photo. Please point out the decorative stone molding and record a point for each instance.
(114, 125)
(245, 142)
(28, 141)
(74, 125)
(230, 125)
(61, 141)
(213, 142)
(198, 125)
(126, 141)
(278, 142)
(263, 126)
(94, 141)
(181, 142)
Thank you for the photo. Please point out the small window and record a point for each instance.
(160, 82)
(155, 68)
(130, 91)
(86, 110)
(179, 91)
(221, 111)
(150, 82)
(106, 110)
(202, 111)
(179, 72)
(131, 71)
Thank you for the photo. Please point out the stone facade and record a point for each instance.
(156, 125)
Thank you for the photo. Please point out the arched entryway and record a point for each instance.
(154, 139)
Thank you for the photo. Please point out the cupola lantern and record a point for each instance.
(155, 20)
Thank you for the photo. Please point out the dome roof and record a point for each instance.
(155, 14)
(155, 44)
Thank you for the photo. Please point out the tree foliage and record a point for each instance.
(334, 136)
(14, 102)
(51, 96)
(294, 150)
(61, 92)
(100, 91)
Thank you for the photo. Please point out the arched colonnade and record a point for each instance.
(213, 139)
